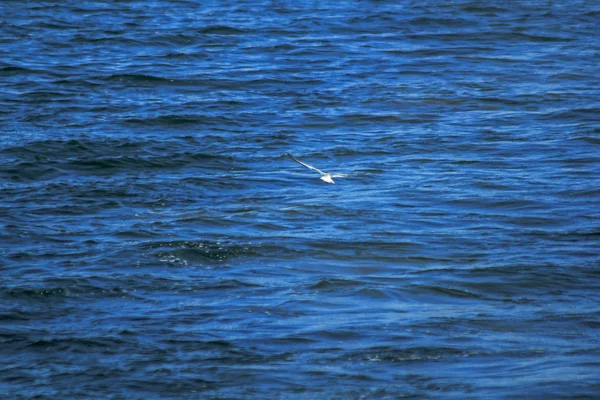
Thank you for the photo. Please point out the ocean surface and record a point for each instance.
(156, 242)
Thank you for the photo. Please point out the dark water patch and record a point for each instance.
(219, 286)
(13, 70)
(333, 285)
(27, 172)
(52, 159)
(384, 119)
(182, 55)
(55, 24)
(191, 120)
(433, 292)
(67, 289)
(135, 234)
(78, 344)
(497, 204)
(489, 10)
(222, 30)
(138, 78)
(573, 114)
(41, 149)
(388, 354)
(13, 316)
(98, 166)
(176, 39)
(540, 38)
(34, 293)
(518, 280)
(199, 252)
(440, 22)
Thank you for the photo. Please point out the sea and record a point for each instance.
(157, 241)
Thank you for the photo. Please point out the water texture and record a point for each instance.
(157, 242)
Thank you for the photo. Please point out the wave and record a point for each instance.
(49, 159)
(176, 120)
(222, 30)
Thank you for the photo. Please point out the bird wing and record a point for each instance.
(339, 175)
(306, 165)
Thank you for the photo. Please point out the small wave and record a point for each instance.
(44, 160)
(138, 78)
(44, 147)
(175, 39)
(28, 172)
(539, 38)
(134, 163)
(222, 30)
(374, 118)
(575, 114)
(410, 354)
(335, 284)
(443, 291)
(177, 120)
(66, 288)
(39, 292)
(480, 8)
(202, 251)
(55, 25)
(440, 22)
(12, 70)
(78, 344)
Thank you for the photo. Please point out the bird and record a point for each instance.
(325, 176)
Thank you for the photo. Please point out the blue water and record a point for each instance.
(157, 242)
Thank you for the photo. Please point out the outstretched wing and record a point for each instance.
(306, 165)
(339, 175)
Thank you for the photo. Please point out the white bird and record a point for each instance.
(325, 176)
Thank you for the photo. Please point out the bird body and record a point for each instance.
(327, 178)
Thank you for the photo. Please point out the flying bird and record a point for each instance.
(325, 176)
